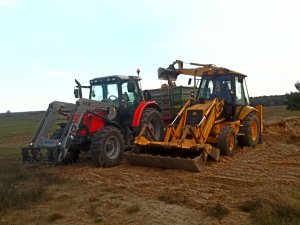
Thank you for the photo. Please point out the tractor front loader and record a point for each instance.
(52, 146)
(213, 122)
(103, 126)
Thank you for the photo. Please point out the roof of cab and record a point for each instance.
(114, 78)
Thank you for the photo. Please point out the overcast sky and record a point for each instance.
(45, 45)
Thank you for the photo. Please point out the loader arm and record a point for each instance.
(187, 136)
(46, 148)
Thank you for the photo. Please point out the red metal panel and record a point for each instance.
(139, 111)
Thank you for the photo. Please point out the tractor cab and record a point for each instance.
(230, 87)
(120, 90)
(123, 92)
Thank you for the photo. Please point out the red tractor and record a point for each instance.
(105, 124)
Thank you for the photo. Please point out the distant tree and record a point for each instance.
(293, 99)
(297, 86)
(8, 113)
(268, 100)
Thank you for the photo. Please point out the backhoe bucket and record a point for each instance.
(167, 74)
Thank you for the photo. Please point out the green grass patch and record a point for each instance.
(19, 124)
(279, 111)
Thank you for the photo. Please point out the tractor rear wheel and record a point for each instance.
(227, 141)
(152, 118)
(107, 147)
(250, 131)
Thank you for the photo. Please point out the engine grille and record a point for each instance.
(193, 117)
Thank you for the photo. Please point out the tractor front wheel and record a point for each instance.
(107, 147)
(227, 141)
(250, 131)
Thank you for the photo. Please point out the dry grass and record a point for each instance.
(132, 209)
(54, 217)
(171, 198)
(273, 210)
(92, 210)
(20, 185)
(219, 211)
(99, 219)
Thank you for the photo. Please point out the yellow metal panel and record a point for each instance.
(245, 111)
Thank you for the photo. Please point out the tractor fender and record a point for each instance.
(245, 111)
(140, 109)
(114, 124)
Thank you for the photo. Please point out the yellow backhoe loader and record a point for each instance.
(212, 122)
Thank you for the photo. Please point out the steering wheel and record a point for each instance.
(112, 97)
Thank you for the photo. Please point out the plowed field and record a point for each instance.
(139, 195)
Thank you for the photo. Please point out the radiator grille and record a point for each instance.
(193, 117)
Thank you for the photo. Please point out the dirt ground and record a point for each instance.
(139, 195)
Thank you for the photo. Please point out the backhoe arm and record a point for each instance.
(171, 72)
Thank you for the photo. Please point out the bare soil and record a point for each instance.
(139, 195)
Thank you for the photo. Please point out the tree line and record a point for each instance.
(291, 100)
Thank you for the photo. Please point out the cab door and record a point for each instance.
(129, 102)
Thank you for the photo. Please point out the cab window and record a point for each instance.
(240, 94)
(97, 93)
(112, 91)
(129, 97)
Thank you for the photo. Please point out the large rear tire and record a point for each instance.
(250, 131)
(107, 147)
(227, 141)
(152, 118)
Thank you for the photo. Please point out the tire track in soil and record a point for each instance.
(233, 180)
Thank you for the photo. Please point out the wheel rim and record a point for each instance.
(112, 147)
(153, 126)
(231, 143)
(254, 131)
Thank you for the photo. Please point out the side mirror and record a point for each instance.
(76, 93)
(190, 81)
(131, 87)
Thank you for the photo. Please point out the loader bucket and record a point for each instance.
(164, 162)
(33, 155)
(194, 164)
